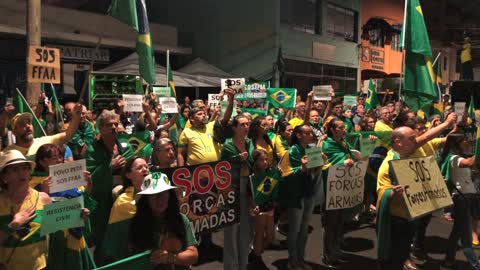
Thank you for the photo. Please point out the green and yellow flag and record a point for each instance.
(419, 80)
(134, 13)
(471, 111)
(173, 92)
(254, 112)
(265, 186)
(139, 141)
(372, 100)
(282, 97)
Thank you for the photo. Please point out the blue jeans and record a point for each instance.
(298, 221)
(462, 229)
(237, 237)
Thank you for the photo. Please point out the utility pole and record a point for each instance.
(34, 37)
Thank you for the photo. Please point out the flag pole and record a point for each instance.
(436, 58)
(90, 69)
(402, 45)
(168, 64)
(436, 76)
(33, 113)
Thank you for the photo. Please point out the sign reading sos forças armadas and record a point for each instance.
(43, 65)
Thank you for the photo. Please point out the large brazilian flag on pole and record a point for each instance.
(134, 13)
(419, 80)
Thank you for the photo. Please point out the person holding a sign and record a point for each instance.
(458, 173)
(238, 150)
(338, 152)
(159, 226)
(21, 245)
(298, 192)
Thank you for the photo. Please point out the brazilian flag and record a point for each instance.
(372, 99)
(140, 142)
(254, 112)
(265, 186)
(134, 13)
(282, 97)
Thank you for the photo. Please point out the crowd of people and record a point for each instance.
(132, 207)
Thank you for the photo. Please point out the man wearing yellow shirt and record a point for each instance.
(22, 128)
(385, 122)
(395, 232)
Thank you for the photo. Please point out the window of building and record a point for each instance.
(341, 23)
(300, 15)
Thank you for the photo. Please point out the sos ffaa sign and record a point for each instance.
(43, 65)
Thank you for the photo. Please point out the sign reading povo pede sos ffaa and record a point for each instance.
(68, 175)
(43, 65)
(424, 187)
(237, 84)
(345, 185)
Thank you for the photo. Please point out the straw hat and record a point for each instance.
(11, 157)
(20, 117)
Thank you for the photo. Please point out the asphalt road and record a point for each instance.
(360, 248)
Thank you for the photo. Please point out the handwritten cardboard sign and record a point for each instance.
(237, 84)
(169, 104)
(161, 91)
(345, 185)
(68, 175)
(43, 65)
(322, 92)
(314, 156)
(424, 187)
(62, 215)
(133, 103)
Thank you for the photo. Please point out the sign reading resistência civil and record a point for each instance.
(424, 186)
(211, 194)
(345, 185)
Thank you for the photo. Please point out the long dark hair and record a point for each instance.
(43, 152)
(142, 226)
(127, 182)
(452, 145)
(296, 131)
(255, 130)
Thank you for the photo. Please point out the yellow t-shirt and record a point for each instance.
(279, 148)
(380, 126)
(29, 153)
(200, 145)
(429, 148)
(269, 151)
(466, 55)
(397, 205)
(295, 122)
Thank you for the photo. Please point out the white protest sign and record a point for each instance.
(169, 104)
(459, 110)
(322, 92)
(345, 185)
(237, 84)
(133, 103)
(424, 186)
(68, 175)
(62, 215)
(350, 101)
(214, 100)
(367, 146)
(161, 91)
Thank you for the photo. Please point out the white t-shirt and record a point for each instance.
(461, 177)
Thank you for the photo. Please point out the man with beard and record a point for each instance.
(84, 135)
(22, 128)
(105, 158)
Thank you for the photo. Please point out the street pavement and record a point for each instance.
(359, 248)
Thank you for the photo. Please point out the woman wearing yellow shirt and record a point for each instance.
(258, 134)
(281, 142)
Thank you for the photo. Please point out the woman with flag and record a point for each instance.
(338, 152)
(67, 248)
(238, 150)
(298, 192)
(281, 142)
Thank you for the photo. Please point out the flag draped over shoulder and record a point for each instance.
(282, 97)
(372, 100)
(139, 142)
(419, 80)
(134, 13)
(21, 106)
